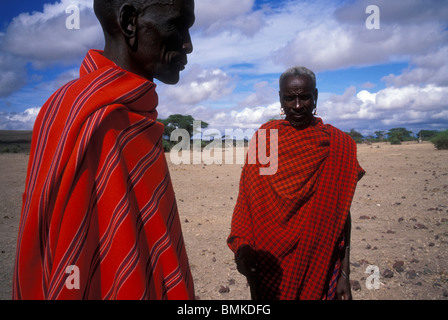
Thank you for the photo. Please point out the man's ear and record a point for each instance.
(316, 94)
(128, 20)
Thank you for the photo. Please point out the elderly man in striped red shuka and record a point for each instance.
(290, 229)
(99, 217)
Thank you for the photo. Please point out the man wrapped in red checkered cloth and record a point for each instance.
(290, 229)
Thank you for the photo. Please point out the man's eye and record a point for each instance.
(289, 98)
(305, 97)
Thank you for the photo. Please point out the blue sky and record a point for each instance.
(368, 79)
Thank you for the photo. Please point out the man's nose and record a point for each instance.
(187, 46)
(298, 103)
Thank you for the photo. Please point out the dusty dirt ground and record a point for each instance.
(399, 214)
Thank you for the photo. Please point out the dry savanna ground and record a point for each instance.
(399, 244)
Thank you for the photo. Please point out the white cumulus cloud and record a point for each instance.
(44, 39)
(18, 120)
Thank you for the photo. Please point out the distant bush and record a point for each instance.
(395, 140)
(441, 140)
(167, 145)
(15, 149)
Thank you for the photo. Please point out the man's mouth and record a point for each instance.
(297, 116)
(180, 62)
(181, 65)
(176, 59)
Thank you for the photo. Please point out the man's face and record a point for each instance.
(298, 99)
(164, 40)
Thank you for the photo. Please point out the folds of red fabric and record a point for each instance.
(99, 217)
(294, 218)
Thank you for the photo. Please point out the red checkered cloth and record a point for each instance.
(295, 218)
(99, 196)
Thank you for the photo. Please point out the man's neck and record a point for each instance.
(120, 56)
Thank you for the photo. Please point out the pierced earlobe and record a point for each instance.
(127, 21)
(131, 37)
(132, 41)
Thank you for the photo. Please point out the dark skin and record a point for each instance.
(343, 289)
(154, 40)
(298, 98)
(246, 261)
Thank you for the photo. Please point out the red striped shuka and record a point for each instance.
(294, 218)
(99, 197)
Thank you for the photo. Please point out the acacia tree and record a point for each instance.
(427, 134)
(380, 135)
(179, 121)
(357, 136)
(400, 134)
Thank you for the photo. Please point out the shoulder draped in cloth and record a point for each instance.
(99, 197)
(295, 218)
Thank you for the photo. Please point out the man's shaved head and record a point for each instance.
(148, 37)
(107, 11)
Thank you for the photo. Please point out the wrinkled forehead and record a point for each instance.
(163, 11)
(171, 6)
(168, 2)
(300, 83)
(160, 2)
